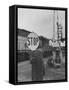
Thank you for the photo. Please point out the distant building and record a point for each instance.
(22, 39)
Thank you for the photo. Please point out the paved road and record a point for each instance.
(25, 69)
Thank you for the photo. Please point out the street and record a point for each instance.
(25, 72)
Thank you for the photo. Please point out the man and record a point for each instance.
(37, 66)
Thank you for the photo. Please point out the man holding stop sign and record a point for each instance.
(36, 55)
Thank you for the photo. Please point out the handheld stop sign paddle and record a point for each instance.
(32, 41)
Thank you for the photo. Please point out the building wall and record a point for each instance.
(43, 44)
(22, 43)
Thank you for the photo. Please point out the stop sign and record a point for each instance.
(33, 41)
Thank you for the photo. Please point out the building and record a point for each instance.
(22, 39)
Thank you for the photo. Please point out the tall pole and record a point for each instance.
(58, 29)
(58, 39)
(53, 24)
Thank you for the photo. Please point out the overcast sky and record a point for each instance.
(40, 21)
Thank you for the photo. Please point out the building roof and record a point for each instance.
(23, 32)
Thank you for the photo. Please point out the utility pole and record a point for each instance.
(59, 36)
(53, 25)
(59, 31)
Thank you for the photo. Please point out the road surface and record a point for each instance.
(25, 72)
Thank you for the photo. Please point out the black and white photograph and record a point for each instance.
(41, 44)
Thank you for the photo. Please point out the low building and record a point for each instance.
(22, 39)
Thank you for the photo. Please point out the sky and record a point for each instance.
(40, 21)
